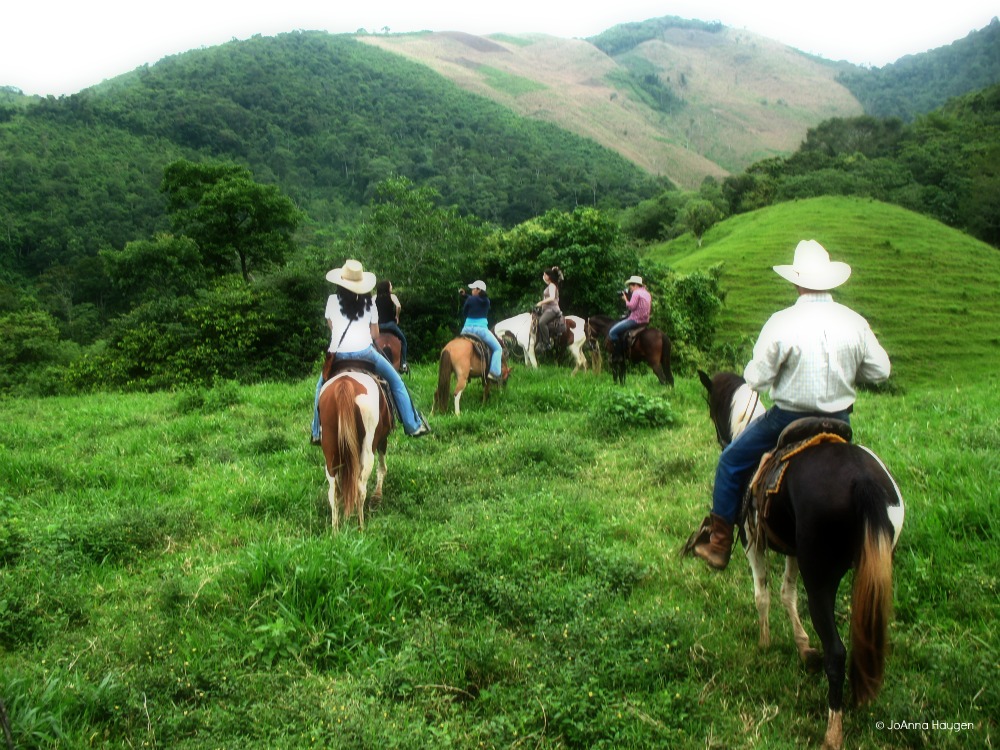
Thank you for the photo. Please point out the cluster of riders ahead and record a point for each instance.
(789, 477)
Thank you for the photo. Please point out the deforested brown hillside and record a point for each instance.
(687, 104)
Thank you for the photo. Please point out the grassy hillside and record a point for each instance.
(741, 97)
(168, 577)
(929, 292)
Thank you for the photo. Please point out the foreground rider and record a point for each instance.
(548, 308)
(353, 321)
(639, 304)
(388, 306)
(809, 356)
(476, 310)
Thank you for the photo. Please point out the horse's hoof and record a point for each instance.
(813, 660)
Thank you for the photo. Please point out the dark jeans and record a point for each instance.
(740, 458)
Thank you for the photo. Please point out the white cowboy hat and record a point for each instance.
(812, 268)
(352, 277)
(478, 284)
(635, 280)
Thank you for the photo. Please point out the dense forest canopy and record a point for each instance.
(145, 220)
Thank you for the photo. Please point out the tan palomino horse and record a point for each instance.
(464, 358)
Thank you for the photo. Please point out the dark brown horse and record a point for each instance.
(651, 346)
(355, 423)
(462, 357)
(391, 348)
(836, 507)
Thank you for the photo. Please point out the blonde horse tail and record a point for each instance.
(872, 597)
(349, 429)
(444, 382)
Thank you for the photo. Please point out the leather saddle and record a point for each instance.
(766, 482)
(481, 349)
(347, 364)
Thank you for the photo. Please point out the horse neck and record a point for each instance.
(744, 406)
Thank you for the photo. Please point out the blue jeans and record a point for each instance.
(391, 327)
(496, 351)
(408, 413)
(740, 458)
(619, 329)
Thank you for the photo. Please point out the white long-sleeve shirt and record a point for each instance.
(811, 355)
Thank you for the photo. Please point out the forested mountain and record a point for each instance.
(322, 116)
(917, 84)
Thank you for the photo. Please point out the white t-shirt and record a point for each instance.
(347, 335)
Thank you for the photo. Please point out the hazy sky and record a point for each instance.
(61, 46)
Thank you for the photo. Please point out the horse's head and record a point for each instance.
(732, 404)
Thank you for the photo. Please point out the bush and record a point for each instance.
(625, 410)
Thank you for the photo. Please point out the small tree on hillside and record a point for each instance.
(230, 216)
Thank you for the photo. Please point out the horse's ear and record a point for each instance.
(705, 380)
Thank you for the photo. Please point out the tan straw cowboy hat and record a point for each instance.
(635, 280)
(352, 277)
(812, 268)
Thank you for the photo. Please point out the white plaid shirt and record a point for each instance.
(810, 355)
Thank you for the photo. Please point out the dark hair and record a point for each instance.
(383, 288)
(554, 274)
(353, 305)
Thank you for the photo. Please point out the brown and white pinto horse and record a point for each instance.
(837, 507)
(522, 331)
(651, 346)
(461, 357)
(355, 422)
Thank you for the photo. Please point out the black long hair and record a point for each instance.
(352, 305)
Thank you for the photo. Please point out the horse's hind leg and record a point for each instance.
(332, 497)
(761, 595)
(790, 598)
(822, 597)
(380, 471)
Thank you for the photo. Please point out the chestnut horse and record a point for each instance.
(462, 357)
(391, 348)
(837, 507)
(651, 346)
(355, 422)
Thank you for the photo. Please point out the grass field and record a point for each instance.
(169, 579)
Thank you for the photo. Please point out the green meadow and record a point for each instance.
(169, 577)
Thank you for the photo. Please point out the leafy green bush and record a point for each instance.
(621, 411)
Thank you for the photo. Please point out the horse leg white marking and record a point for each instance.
(379, 476)
(790, 598)
(757, 556)
(834, 738)
(458, 401)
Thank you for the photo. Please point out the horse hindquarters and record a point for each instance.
(340, 422)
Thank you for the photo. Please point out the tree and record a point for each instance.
(230, 216)
(163, 266)
(699, 216)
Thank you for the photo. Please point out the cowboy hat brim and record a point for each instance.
(362, 286)
(829, 277)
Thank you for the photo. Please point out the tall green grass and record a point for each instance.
(168, 576)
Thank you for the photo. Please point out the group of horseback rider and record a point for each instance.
(809, 357)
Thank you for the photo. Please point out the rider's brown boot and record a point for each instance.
(717, 550)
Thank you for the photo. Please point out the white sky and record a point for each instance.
(58, 47)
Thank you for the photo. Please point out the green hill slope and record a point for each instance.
(929, 292)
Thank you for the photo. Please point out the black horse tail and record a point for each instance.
(444, 383)
(872, 597)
